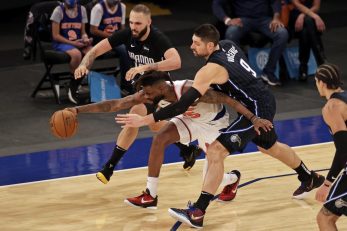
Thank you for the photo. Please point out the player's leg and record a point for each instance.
(335, 204)
(267, 143)
(125, 138)
(230, 140)
(166, 136)
(326, 220)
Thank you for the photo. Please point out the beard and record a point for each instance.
(140, 34)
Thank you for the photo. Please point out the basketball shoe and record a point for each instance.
(307, 186)
(145, 200)
(105, 173)
(190, 158)
(191, 216)
(230, 190)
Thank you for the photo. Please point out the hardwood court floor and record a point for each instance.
(83, 203)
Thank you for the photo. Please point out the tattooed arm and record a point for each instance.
(86, 63)
(216, 97)
(110, 105)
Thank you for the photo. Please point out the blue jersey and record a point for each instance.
(71, 28)
(243, 84)
(108, 19)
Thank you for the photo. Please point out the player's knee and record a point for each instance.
(161, 139)
(215, 153)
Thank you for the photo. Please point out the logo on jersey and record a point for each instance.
(340, 203)
(261, 59)
(140, 59)
(236, 139)
(231, 54)
(145, 48)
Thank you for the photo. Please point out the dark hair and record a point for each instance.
(207, 33)
(329, 74)
(150, 78)
(140, 8)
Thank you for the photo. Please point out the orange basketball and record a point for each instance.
(63, 124)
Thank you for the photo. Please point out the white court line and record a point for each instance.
(132, 169)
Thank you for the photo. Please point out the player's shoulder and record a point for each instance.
(334, 106)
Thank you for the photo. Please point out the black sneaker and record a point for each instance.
(270, 79)
(191, 216)
(105, 173)
(307, 186)
(190, 157)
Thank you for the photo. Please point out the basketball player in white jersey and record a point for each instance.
(201, 122)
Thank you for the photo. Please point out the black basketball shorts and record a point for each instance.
(337, 198)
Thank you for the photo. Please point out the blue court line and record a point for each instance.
(178, 223)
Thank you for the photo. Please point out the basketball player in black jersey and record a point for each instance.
(328, 82)
(148, 49)
(227, 71)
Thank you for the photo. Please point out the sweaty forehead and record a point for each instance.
(196, 39)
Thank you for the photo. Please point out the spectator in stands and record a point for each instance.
(307, 25)
(106, 17)
(69, 35)
(255, 15)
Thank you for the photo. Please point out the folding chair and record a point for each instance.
(50, 57)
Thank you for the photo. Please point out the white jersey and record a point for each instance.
(202, 112)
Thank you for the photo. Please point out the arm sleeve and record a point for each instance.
(84, 15)
(179, 107)
(96, 15)
(119, 37)
(218, 10)
(57, 15)
(163, 42)
(340, 158)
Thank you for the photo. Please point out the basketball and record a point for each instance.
(63, 124)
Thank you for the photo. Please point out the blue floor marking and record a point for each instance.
(37, 166)
(178, 223)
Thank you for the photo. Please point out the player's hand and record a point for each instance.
(72, 109)
(133, 72)
(322, 193)
(275, 24)
(132, 120)
(81, 71)
(235, 22)
(263, 124)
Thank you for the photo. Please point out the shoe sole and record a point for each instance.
(138, 206)
(101, 178)
(182, 219)
(301, 196)
(269, 82)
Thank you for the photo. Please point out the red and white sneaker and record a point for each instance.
(229, 191)
(145, 200)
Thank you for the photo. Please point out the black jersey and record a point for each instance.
(148, 51)
(341, 96)
(243, 84)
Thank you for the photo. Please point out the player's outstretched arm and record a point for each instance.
(102, 47)
(216, 97)
(110, 105)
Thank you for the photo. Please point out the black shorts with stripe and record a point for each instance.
(337, 198)
(241, 131)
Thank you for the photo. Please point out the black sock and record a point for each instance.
(303, 172)
(184, 148)
(204, 200)
(117, 154)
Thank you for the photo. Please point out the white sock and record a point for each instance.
(152, 185)
(228, 178)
